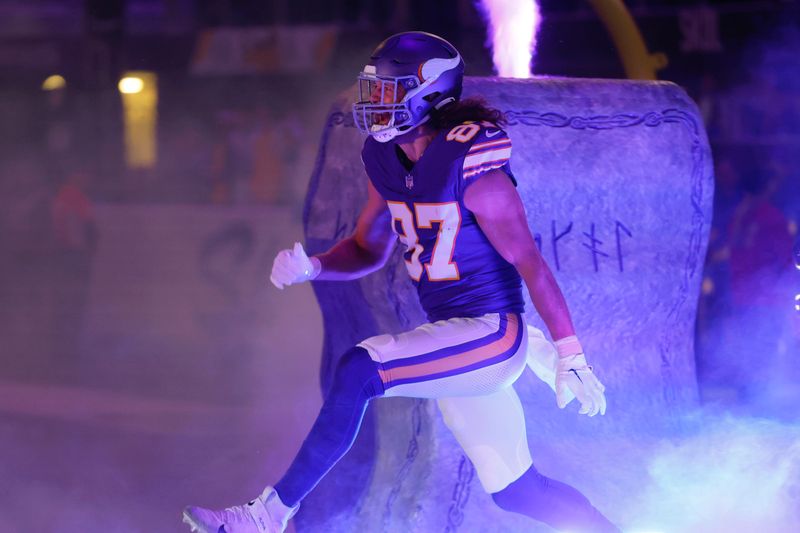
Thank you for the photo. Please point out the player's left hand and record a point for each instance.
(574, 378)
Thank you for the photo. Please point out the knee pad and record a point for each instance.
(491, 431)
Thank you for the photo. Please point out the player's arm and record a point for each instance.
(500, 214)
(363, 252)
(367, 249)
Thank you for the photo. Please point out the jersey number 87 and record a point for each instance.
(441, 266)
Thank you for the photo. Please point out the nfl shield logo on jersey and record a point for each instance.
(409, 181)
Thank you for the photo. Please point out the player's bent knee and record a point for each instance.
(491, 431)
(495, 472)
(356, 372)
(526, 492)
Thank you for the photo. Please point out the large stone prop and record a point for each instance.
(617, 181)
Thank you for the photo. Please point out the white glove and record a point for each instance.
(574, 378)
(557, 372)
(293, 266)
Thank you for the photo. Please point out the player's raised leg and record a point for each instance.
(355, 382)
(457, 356)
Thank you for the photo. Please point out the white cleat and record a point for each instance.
(265, 514)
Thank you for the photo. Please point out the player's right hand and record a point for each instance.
(293, 266)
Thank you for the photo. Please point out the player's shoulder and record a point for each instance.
(373, 150)
(474, 134)
(488, 148)
(369, 146)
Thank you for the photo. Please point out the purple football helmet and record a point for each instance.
(408, 75)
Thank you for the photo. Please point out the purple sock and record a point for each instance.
(552, 502)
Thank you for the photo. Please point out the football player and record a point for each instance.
(440, 181)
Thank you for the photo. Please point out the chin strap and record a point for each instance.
(389, 134)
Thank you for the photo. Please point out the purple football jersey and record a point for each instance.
(456, 270)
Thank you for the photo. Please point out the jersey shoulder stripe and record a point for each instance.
(481, 146)
(493, 158)
(490, 149)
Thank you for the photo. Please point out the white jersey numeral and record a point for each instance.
(408, 236)
(441, 266)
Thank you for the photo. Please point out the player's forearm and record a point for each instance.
(547, 297)
(347, 260)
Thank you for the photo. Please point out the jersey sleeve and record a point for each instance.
(490, 150)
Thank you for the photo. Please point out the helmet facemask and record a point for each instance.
(383, 108)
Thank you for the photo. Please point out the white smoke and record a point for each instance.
(512, 30)
(733, 474)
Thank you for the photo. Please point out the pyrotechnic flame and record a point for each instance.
(512, 35)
